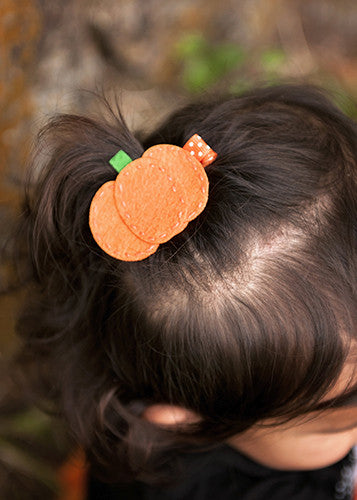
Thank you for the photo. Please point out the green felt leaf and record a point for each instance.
(120, 160)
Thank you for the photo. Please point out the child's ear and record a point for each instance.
(169, 415)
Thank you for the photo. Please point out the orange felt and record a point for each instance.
(151, 199)
(200, 150)
(187, 171)
(109, 230)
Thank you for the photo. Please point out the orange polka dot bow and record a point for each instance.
(152, 198)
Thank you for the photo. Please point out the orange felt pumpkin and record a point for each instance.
(109, 230)
(152, 199)
(188, 171)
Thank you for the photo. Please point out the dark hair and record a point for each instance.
(248, 314)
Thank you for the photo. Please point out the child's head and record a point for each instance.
(248, 315)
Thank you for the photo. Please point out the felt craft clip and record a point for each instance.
(152, 199)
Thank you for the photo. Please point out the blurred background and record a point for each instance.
(156, 54)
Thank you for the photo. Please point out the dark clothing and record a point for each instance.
(226, 474)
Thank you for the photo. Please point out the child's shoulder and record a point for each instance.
(225, 474)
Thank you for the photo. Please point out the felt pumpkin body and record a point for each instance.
(152, 199)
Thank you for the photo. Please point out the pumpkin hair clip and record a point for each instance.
(152, 199)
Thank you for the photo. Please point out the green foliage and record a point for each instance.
(32, 445)
(343, 99)
(272, 60)
(240, 86)
(204, 63)
(25, 463)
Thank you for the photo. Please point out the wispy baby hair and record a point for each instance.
(248, 314)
